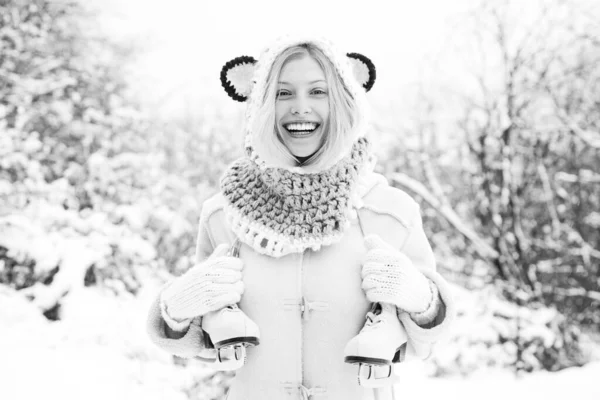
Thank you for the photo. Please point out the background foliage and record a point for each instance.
(96, 193)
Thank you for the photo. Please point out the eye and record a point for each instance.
(283, 93)
(319, 92)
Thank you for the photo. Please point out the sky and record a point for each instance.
(423, 51)
(186, 42)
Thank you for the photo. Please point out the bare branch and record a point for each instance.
(585, 176)
(590, 138)
(543, 172)
(587, 250)
(481, 246)
(574, 292)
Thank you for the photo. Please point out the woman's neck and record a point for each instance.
(301, 160)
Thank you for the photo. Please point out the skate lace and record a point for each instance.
(372, 318)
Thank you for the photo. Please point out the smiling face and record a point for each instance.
(302, 105)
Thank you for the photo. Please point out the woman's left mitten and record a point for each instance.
(389, 276)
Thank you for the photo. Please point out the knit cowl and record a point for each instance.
(278, 209)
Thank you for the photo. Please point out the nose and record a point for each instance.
(300, 107)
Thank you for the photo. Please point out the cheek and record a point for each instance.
(324, 111)
(279, 112)
(323, 107)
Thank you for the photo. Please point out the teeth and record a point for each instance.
(307, 126)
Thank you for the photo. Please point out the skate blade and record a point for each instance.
(243, 340)
(398, 357)
(375, 376)
(366, 360)
(230, 358)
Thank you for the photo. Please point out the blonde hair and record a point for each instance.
(344, 113)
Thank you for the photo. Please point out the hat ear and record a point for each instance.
(236, 77)
(364, 70)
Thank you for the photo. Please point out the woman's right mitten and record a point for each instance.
(207, 286)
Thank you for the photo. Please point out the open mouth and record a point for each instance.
(300, 129)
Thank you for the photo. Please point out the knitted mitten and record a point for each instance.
(389, 276)
(208, 286)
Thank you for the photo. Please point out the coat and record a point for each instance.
(309, 305)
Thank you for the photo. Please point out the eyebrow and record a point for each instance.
(311, 82)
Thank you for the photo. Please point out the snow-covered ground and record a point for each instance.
(503, 385)
(99, 351)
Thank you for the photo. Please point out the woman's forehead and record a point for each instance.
(305, 70)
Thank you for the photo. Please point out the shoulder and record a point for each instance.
(212, 206)
(213, 220)
(381, 198)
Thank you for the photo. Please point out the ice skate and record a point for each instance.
(379, 344)
(230, 331)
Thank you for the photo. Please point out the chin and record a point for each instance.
(303, 152)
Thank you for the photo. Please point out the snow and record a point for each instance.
(495, 384)
(25, 239)
(99, 350)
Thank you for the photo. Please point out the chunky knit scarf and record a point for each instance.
(278, 211)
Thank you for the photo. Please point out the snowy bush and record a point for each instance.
(491, 332)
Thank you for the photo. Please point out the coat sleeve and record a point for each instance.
(417, 248)
(192, 342)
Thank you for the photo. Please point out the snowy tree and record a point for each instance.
(84, 173)
(74, 159)
(513, 189)
(532, 132)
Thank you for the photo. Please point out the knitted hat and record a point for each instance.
(245, 79)
(278, 209)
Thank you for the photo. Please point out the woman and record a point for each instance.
(322, 237)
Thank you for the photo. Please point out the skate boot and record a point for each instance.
(379, 344)
(231, 331)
